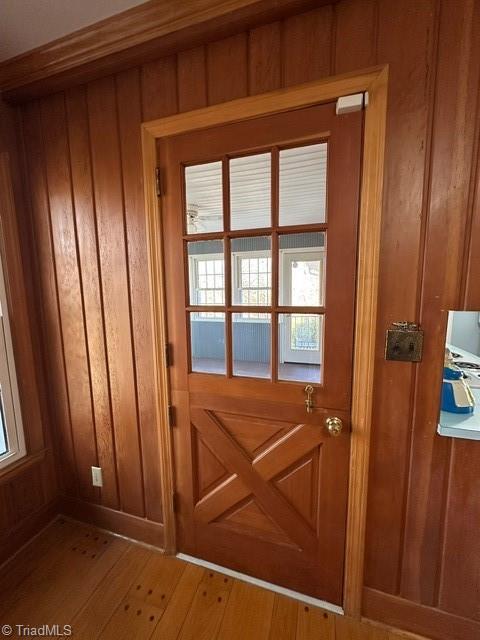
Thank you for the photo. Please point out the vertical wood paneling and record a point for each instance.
(422, 489)
(19, 292)
(25, 494)
(192, 79)
(460, 578)
(45, 276)
(409, 102)
(159, 88)
(265, 58)
(79, 144)
(113, 262)
(307, 46)
(130, 118)
(27, 497)
(472, 281)
(227, 69)
(454, 126)
(355, 35)
(69, 290)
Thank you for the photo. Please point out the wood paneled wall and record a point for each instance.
(28, 491)
(84, 172)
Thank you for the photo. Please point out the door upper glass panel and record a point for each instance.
(250, 191)
(256, 291)
(206, 272)
(302, 258)
(303, 185)
(204, 198)
(251, 267)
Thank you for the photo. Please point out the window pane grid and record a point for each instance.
(295, 334)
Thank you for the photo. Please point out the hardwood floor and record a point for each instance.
(105, 587)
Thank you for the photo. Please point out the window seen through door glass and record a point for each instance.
(206, 270)
(301, 267)
(204, 198)
(303, 184)
(251, 272)
(250, 191)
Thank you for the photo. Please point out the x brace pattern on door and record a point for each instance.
(252, 477)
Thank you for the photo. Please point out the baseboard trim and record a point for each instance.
(22, 533)
(124, 524)
(314, 602)
(417, 618)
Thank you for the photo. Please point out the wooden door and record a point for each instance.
(261, 484)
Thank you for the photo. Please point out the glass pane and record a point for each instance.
(207, 342)
(3, 429)
(300, 347)
(302, 262)
(250, 192)
(251, 345)
(206, 269)
(252, 272)
(204, 199)
(303, 184)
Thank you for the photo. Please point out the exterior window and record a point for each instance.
(252, 277)
(207, 285)
(12, 442)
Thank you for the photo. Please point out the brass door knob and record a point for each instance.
(334, 425)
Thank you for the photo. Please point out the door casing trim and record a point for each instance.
(375, 81)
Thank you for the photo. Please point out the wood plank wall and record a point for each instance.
(83, 165)
(28, 493)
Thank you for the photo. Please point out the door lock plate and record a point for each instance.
(404, 342)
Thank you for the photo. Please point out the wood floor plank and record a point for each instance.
(133, 618)
(347, 629)
(35, 554)
(315, 624)
(42, 557)
(108, 588)
(248, 613)
(94, 616)
(147, 597)
(208, 607)
(54, 595)
(158, 580)
(284, 618)
(173, 618)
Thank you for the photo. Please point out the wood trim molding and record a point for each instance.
(375, 82)
(17, 468)
(418, 618)
(118, 522)
(303, 95)
(157, 296)
(365, 335)
(145, 32)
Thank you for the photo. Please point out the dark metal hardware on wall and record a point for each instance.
(404, 342)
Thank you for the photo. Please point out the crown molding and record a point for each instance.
(145, 32)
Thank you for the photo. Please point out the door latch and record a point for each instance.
(404, 342)
(308, 400)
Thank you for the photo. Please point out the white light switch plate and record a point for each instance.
(97, 478)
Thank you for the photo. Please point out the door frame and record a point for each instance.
(375, 82)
